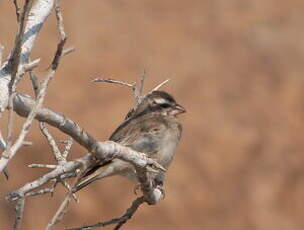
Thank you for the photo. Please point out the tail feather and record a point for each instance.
(102, 172)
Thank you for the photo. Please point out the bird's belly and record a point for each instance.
(166, 153)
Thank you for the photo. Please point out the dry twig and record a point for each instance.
(17, 9)
(108, 80)
(160, 85)
(12, 67)
(1, 54)
(19, 209)
(56, 152)
(68, 145)
(118, 221)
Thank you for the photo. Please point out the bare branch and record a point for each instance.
(2, 142)
(11, 150)
(68, 50)
(60, 212)
(56, 152)
(64, 205)
(139, 89)
(136, 87)
(159, 86)
(10, 121)
(17, 9)
(119, 221)
(40, 192)
(24, 104)
(60, 22)
(42, 166)
(12, 67)
(13, 63)
(30, 66)
(69, 167)
(58, 54)
(1, 54)
(27, 143)
(67, 148)
(19, 213)
(104, 151)
(65, 184)
(35, 84)
(108, 80)
(17, 66)
(35, 19)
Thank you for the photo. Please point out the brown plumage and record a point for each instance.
(152, 128)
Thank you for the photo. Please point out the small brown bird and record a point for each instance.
(153, 129)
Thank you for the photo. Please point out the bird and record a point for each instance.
(151, 128)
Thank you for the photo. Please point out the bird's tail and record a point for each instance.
(99, 173)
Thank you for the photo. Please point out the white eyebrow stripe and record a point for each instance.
(160, 100)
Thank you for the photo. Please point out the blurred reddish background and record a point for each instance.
(237, 66)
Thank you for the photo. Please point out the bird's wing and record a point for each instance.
(143, 135)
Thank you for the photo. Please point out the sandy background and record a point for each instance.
(237, 66)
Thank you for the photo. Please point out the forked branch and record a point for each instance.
(31, 20)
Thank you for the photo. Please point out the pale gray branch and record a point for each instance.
(1, 54)
(160, 85)
(19, 209)
(56, 152)
(42, 166)
(33, 23)
(108, 80)
(68, 167)
(67, 147)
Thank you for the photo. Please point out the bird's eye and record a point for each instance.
(165, 105)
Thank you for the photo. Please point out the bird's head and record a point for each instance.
(160, 102)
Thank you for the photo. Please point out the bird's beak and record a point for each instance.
(180, 109)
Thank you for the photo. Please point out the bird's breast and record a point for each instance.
(168, 147)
